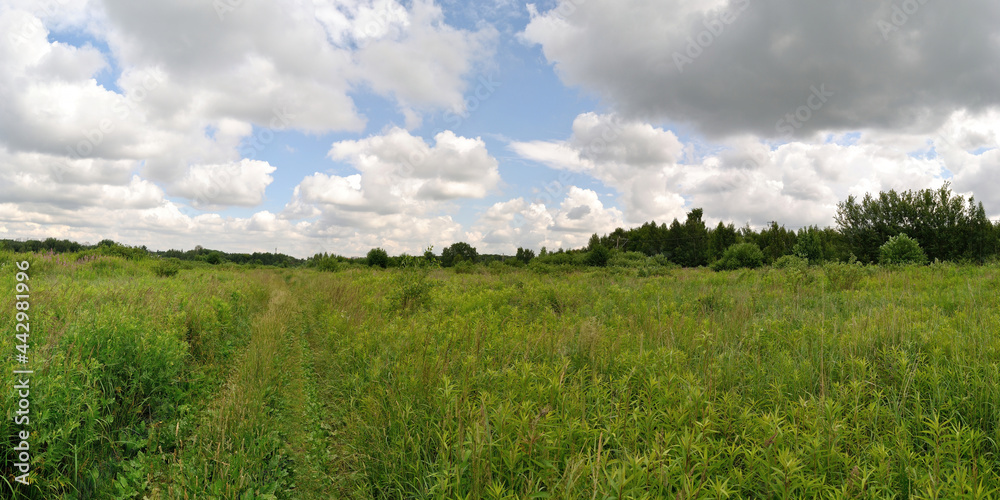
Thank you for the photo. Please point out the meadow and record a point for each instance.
(496, 382)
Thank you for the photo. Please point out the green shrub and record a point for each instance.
(739, 256)
(166, 268)
(901, 249)
(377, 258)
(790, 261)
(599, 256)
(464, 267)
(627, 259)
(411, 289)
(328, 264)
(844, 275)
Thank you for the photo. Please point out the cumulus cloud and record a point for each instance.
(519, 223)
(241, 183)
(746, 179)
(400, 171)
(739, 66)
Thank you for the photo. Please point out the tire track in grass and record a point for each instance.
(256, 438)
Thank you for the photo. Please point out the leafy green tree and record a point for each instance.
(377, 257)
(809, 245)
(721, 238)
(525, 255)
(901, 249)
(947, 227)
(459, 252)
(775, 241)
(215, 258)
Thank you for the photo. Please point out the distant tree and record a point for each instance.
(721, 238)
(775, 241)
(543, 252)
(377, 257)
(594, 242)
(459, 252)
(525, 255)
(693, 249)
(946, 226)
(809, 245)
(214, 258)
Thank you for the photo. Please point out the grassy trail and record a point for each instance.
(261, 436)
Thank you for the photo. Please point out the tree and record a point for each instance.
(214, 258)
(720, 239)
(946, 227)
(692, 250)
(809, 245)
(459, 252)
(775, 241)
(525, 255)
(377, 257)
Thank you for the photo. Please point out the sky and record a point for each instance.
(308, 126)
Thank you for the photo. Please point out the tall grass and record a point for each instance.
(504, 382)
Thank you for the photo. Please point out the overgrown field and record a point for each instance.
(225, 382)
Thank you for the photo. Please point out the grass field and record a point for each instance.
(228, 382)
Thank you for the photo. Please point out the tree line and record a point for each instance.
(943, 226)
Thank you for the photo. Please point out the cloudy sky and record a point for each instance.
(341, 125)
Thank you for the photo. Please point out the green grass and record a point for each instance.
(499, 382)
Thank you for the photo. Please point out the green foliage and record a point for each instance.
(723, 237)
(377, 257)
(599, 256)
(901, 249)
(948, 227)
(739, 256)
(214, 258)
(411, 289)
(791, 262)
(844, 275)
(464, 267)
(809, 245)
(459, 252)
(418, 383)
(524, 255)
(166, 268)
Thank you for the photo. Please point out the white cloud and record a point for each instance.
(240, 183)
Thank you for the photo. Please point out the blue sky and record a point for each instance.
(339, 125)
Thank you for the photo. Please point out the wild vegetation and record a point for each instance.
(656, 362)
(639, 379)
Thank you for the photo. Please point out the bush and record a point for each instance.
(738, 256)
(214, 258)
(166, 268)
(377, 257)
(328, 264)
(901, 249)
(627, 259)
(790, 261)
(412, 289)
(464, 267)
(844, 275)
(599, 256)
